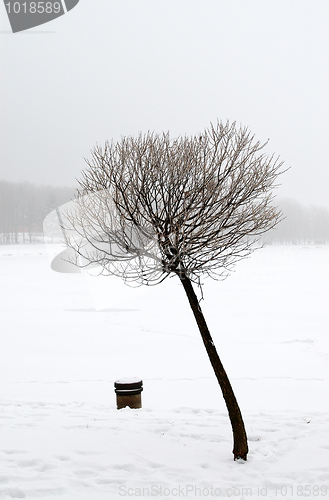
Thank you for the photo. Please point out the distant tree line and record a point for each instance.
(23, 207)
(301, 225)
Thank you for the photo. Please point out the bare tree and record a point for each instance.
(150, 207)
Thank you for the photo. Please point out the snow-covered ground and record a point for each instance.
(66, 338)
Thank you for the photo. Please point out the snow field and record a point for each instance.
(66, 338)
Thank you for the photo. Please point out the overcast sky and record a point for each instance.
(112, 68)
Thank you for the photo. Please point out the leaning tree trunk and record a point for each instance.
(240, 444)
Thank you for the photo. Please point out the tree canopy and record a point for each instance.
(149, 206)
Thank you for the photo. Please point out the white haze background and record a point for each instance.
(110, 68)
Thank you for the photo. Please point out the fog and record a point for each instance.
(108, 69)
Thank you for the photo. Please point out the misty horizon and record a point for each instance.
(24, 206)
